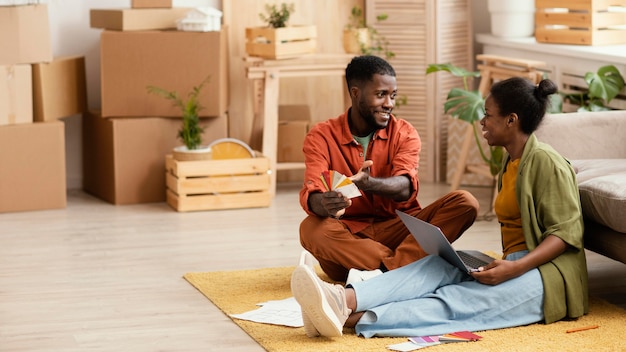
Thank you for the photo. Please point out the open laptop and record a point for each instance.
(434, 242)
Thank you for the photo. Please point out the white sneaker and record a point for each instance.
(355, 275)
(324, 303)
(307, 259)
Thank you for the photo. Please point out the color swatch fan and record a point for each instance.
(335, 181)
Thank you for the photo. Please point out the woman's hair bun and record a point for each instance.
(545, 88)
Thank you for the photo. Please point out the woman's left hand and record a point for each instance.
(497, 272)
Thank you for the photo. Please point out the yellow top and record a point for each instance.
(507, 209)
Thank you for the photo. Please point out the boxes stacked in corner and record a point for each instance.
(32, 151)
(584, 22)
(217, 184)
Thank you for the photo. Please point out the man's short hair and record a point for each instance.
(362, 68)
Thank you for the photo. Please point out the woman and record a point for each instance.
(543, 276)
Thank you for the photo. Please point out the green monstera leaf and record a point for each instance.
(605, 84)
(465, 105)
(468, 105)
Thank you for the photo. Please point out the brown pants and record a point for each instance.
(387, 242)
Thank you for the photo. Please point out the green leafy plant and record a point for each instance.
(468, 105)
(603, 85)
(190, 132)
(376, 44)
(275, 17)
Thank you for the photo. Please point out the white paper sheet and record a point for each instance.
(281, 312)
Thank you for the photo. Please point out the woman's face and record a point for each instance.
(494, 125)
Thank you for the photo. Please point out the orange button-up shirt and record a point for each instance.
(329, 145)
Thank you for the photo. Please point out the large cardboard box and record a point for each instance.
(24, 34)
(136, 19)
(294, 122)
(145, 4)
(124, 158)
(32, 159)
(172, 60)
(16, 94)
(59, 88)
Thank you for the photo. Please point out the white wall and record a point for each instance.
(71, 35)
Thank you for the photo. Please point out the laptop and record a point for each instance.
(434, 242)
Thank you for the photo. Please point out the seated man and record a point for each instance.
(380, 154)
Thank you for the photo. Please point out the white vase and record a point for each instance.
(512, 18)
(181, 153)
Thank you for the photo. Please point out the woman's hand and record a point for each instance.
(497, 272)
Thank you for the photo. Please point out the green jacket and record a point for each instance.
(549, 203)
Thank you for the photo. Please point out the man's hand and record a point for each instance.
(329, 203)
(361, 178)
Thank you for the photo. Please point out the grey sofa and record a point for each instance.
(595, 143)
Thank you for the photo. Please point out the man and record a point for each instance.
(380, 154)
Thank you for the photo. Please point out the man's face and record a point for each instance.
(377, 100)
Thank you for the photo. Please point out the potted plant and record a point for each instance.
(275, 17)
(277, 39)
(602, 86)
(190, 132)
(359, 38)
(467, 105)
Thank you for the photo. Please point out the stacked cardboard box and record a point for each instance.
(125, 143)
(294, 122)
(35, 91)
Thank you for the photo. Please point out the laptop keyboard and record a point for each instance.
(470, 260)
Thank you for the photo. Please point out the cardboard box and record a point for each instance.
(172, 60)
(218, 184)
(151, 4)
(124, 158)
(136, 19)
(16, 94)
(59, 88)
(294, 122)
(24, 34)
(33, 167)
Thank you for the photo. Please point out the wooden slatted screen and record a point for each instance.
(421, 32)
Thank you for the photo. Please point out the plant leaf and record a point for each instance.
(464, 105)
(604, 84)
(454, 70)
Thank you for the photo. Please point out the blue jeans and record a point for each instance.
(433, 297)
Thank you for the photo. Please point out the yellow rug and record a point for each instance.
(237, 292)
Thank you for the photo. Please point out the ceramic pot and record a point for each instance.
(512, 18)
(181, 153)
(354, 38)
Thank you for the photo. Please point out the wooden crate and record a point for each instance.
(217, 184)
(582, 22)
(281, 43)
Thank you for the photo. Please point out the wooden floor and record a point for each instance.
(98, 277)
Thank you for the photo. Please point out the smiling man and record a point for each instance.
(356, 238)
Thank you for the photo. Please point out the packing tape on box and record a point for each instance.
(12, 93)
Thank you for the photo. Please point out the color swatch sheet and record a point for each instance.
(336, 181)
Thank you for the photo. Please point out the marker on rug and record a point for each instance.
(582, 328)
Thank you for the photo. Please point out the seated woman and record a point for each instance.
(543, 276)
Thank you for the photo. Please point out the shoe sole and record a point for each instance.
(309, 328)
(310, 296)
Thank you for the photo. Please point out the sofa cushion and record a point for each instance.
(602, 184)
